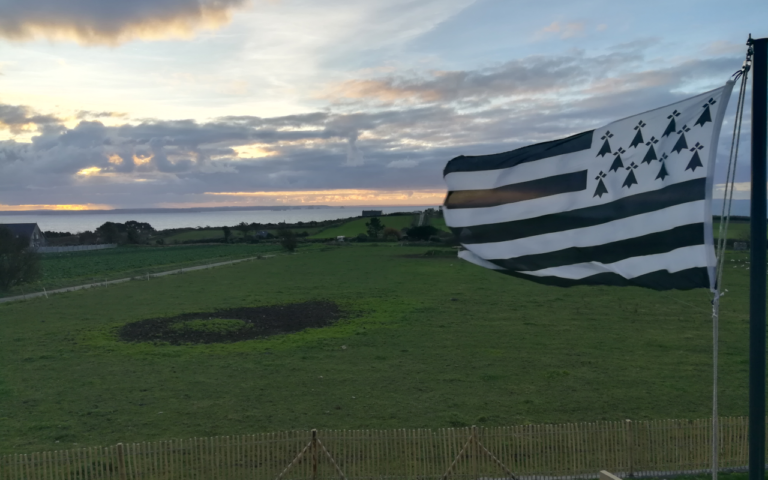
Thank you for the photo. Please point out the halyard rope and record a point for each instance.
(725, 218)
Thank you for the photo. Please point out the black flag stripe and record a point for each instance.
(518, 192)
(659, 280)
(651, 244)
(531, 153)
(684, 192)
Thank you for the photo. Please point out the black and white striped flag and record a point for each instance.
(625, 204)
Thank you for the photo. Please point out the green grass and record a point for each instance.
(737, 229)
(431, 342)
(357, 226)
(76, 268)
(439, 223)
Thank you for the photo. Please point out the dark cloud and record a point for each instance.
(396, 147)
(17, 118)
(109, 22)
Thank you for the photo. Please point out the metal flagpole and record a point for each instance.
(757, 281)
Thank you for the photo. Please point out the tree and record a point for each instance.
(244, 228)
(374, 227)
(227, 233)
(18, 263)
(137, 232)
(88, 238)
(287, 239)
(109, 232)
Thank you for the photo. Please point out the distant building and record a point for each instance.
(340, 238)
(27, 230)
(372, 213)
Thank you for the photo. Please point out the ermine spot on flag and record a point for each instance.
(594, 208)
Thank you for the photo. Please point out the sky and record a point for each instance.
(188, 103)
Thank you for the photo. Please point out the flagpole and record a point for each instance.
(757, 280)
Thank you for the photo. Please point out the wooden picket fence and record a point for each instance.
(527, 452)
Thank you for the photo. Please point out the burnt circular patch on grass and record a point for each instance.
(233, 324)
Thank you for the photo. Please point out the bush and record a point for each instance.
(18, 263)
(362, 237)
(422, 233)
(390, 233)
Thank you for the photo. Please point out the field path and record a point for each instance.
(45, 293)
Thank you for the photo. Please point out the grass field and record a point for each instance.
(75, 268)
(738, 230)
(357, 226)
(439, 223)
(430, 342)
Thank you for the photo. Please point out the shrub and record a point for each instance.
(390, 233)
(422, 233)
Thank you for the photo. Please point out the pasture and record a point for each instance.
(76, 268)
(425, 341)
(357, 226)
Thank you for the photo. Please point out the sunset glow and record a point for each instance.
(25, 208)
(89, 171)
(345, 197)
(253, 151)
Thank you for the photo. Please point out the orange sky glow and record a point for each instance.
(24, 208)
(344, 197)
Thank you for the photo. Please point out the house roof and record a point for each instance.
(20, 229)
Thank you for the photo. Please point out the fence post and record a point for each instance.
(475, 452)
(630, 447)
(314, 454)
(121, 461)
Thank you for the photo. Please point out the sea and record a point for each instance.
(74, 222)
(162, 219)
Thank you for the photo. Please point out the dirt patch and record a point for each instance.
(233, 324)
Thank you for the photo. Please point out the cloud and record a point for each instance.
(741, 191)
(565, 30)
(85, 114)
(535, 75)
(100, 22)
(402, 164)
(18, 118)
(399, 147)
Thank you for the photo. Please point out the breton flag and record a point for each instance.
(625, 204)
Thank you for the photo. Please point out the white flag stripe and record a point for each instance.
(472, 258)
(565, 202)
(674, 261)
(617, 230)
